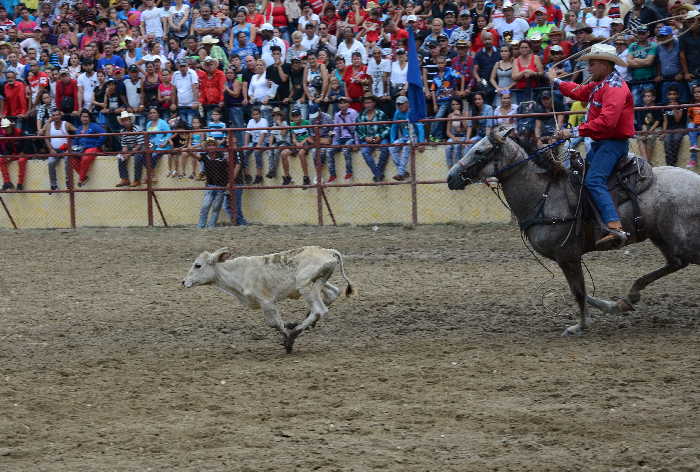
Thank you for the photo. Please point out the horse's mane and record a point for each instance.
(545, 160)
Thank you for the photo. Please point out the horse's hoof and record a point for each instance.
(574, 330)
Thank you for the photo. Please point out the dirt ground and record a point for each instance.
(449, 359)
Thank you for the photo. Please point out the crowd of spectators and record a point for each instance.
(92, 66)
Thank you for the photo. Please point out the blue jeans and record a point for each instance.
(437, 128)
(638, 92)
(240, 219)
(213, 199)
(601, 161)
(258, 158)
(453, 152)
(693, 135)
(186, 114)
(235, 118)
(347, 153)
(139, 164)
(378, 168)
(400, 155)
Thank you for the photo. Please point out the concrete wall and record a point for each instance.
(357, 205)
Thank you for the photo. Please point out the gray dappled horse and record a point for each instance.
(670, 210)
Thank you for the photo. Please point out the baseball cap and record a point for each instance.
(556, 48)
(507, 4)
(133, 68)
(401, 99)
(182, 62)
(617, 21)
(462, 43)
(209, 59)
(665, 31)
(542, 10)
(535, 37)
(36, 28)
(410, 18)
(443, 36)
(314, 111)
(449, 12)
(296, 111)
(343, 99)
(401, 51)
(386, 51)
(277, 111)
(641, 29)
(266, 27)
(64, 71)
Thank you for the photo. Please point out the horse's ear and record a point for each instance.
(500, 133)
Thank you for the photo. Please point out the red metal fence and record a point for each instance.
(151, 191)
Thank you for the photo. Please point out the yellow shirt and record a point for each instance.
(575, 120)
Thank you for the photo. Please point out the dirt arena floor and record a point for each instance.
(449, 359)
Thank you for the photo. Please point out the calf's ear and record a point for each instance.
(220, 255)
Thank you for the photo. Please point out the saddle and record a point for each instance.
(631, 177)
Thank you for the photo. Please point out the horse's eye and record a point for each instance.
(198, 266)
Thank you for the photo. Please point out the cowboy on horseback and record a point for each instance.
(610, 123)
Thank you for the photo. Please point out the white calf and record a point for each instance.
(260, 281)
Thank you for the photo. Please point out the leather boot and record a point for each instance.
(135, 183)
(123, 183)
(615, 239)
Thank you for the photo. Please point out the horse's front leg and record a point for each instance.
(574, 275)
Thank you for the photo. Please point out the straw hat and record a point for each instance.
(125, 114)
(604, 52)
(209, 39)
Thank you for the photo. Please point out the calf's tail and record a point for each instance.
(349, 290)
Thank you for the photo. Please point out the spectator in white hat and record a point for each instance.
(269, 40)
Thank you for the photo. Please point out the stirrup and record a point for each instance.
(615, 239)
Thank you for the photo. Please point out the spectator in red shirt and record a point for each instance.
(15, 97)
(11, 147)
(67, 95)
(554, 14)
(555, 37)
(26, 25)
(355, 78)
(211, 85)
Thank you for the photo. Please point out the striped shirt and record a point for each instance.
(131, 141)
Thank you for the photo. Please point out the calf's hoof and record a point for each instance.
(574, 330)
(289, 340)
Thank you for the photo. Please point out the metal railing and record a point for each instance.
(231, 149)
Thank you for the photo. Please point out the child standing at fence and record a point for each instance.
(694, 122)
(456, 132)
(648, 120)
(255, 137)
(278, 137)
(300, 137)
(196, 141)
(674, 119)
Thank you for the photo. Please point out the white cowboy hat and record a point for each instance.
(604, 52)
(209, 39)
(125, 114)
(5, 123)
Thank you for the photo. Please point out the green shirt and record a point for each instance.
(638, 51)
(300, 134)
